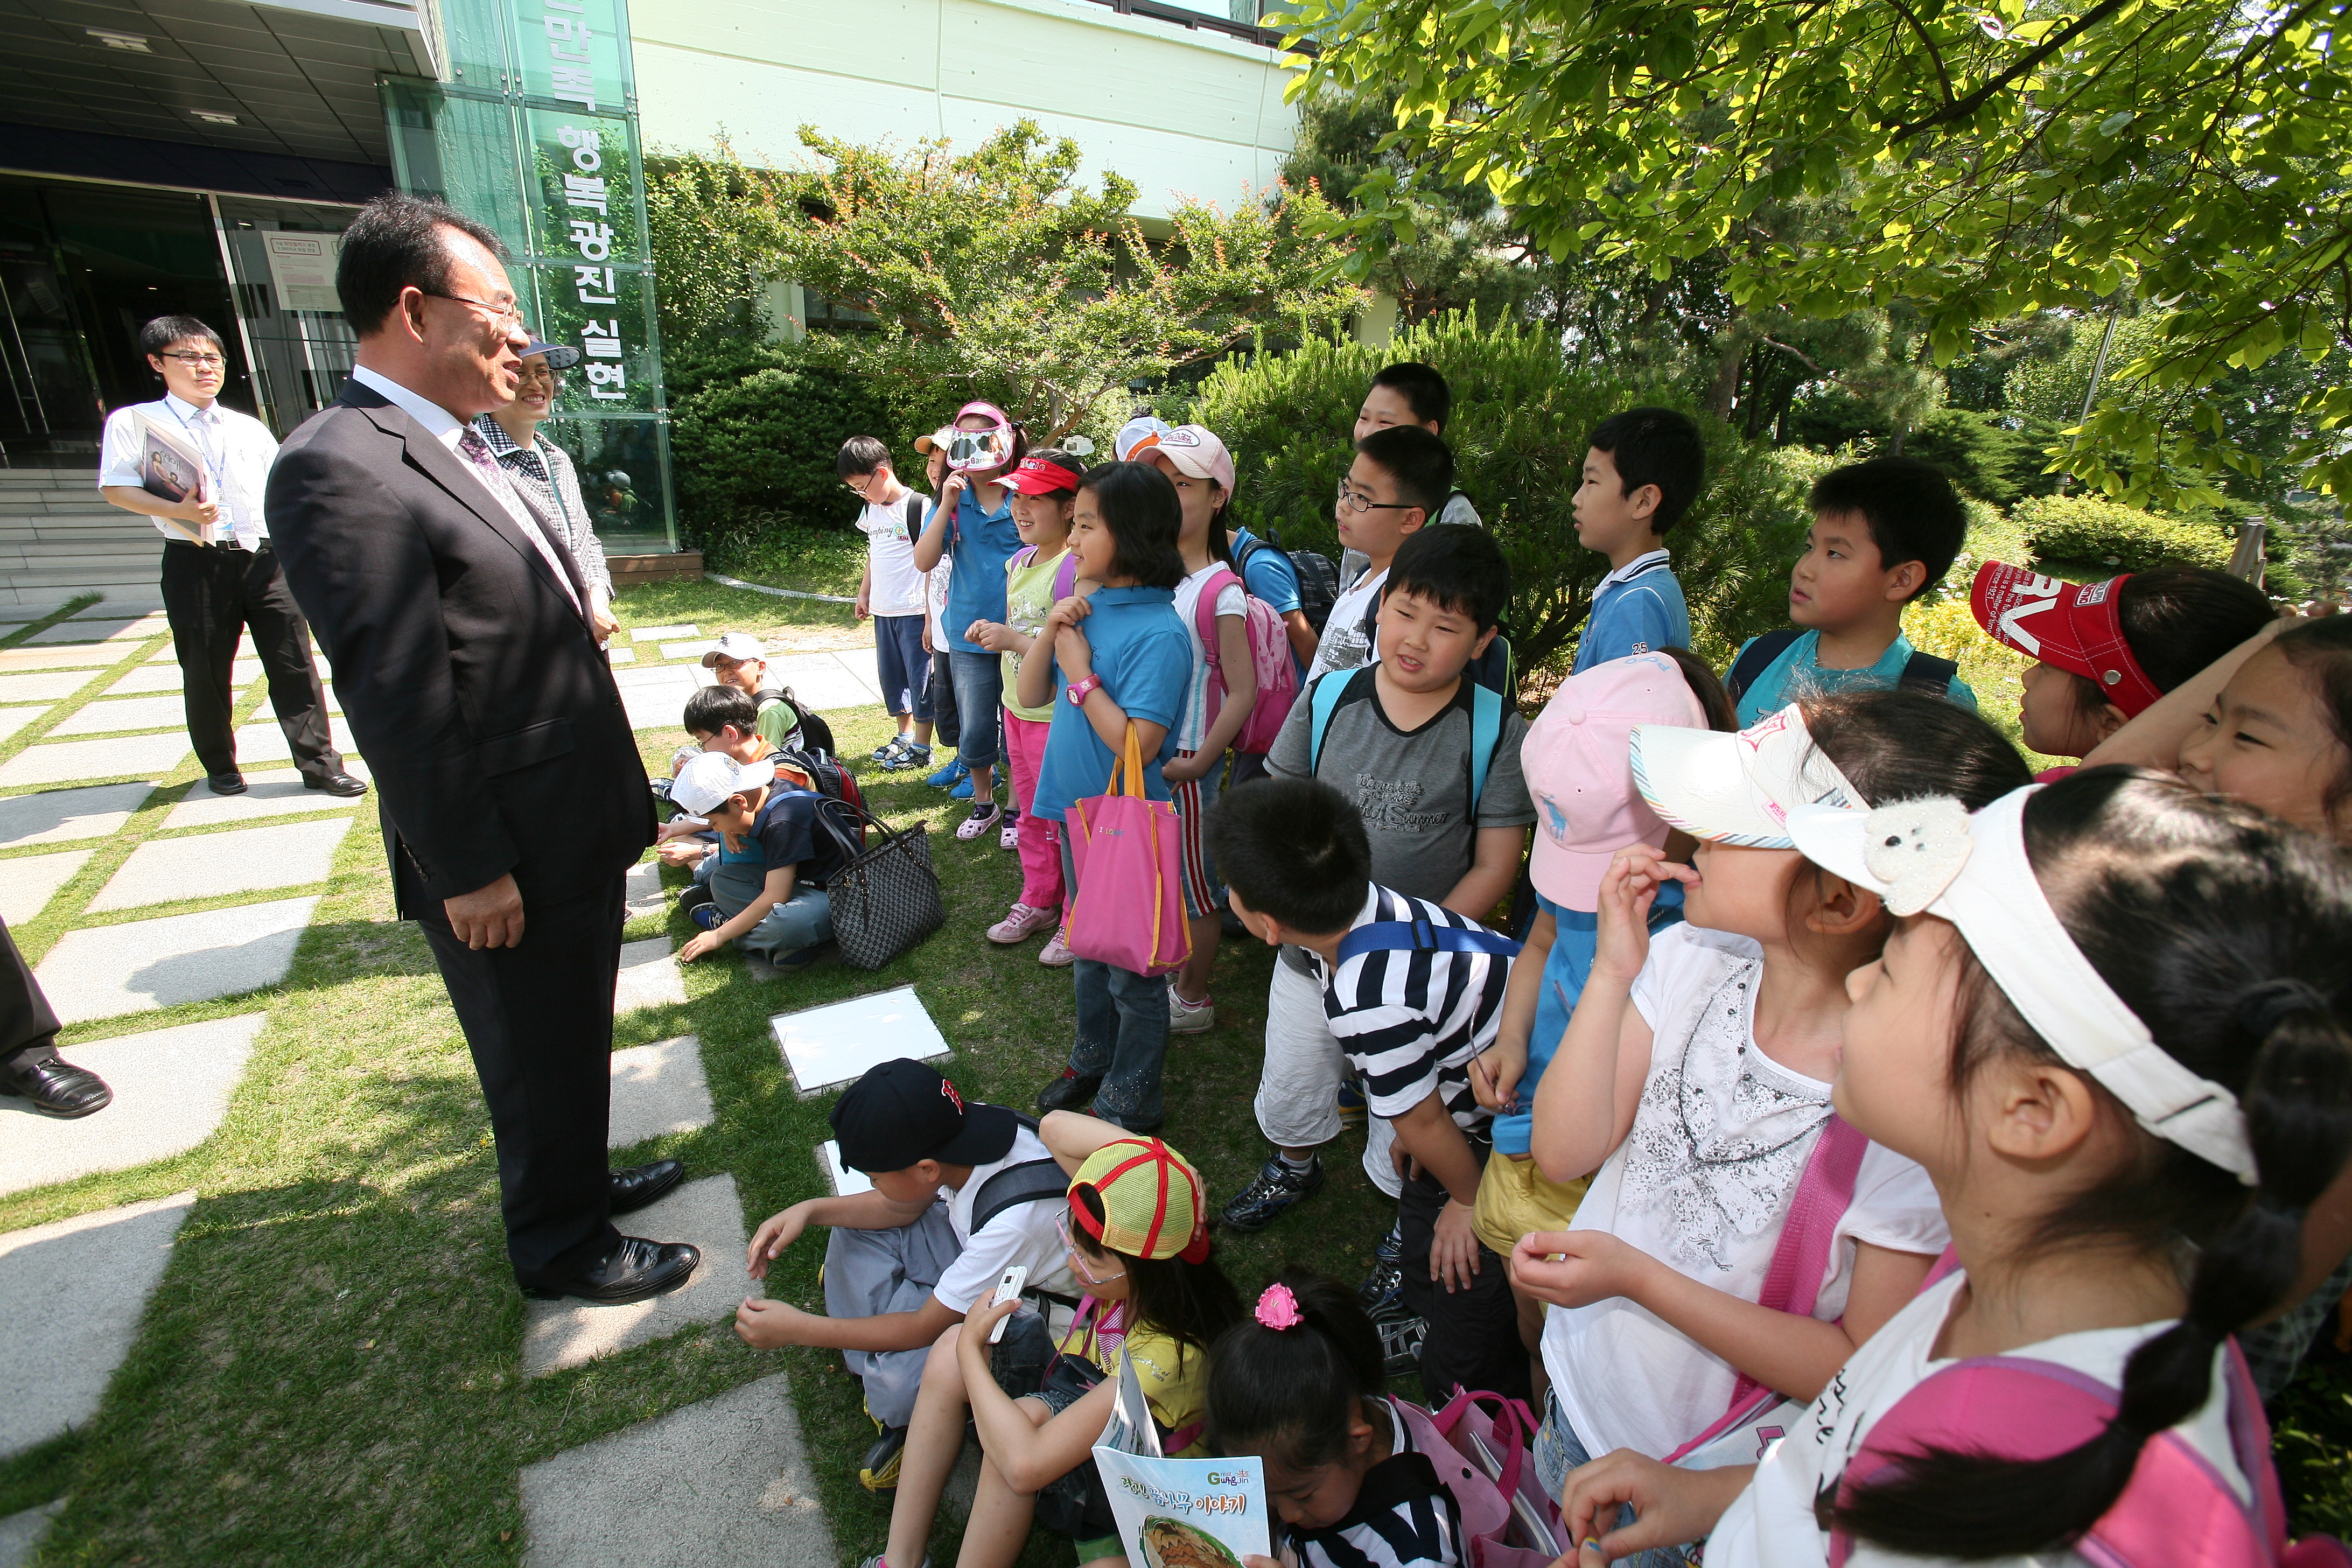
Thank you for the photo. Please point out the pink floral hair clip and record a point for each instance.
(1277, 1309)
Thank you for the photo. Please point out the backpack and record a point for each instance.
(1921, 672)
(809, 732)
(2175, 1509)
(1318, 580)
(1330, 689)
(826, 777)
(914, 508)
(1269, 647)
(1424, 936)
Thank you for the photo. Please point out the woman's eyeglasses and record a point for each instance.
(1356, 500)
(1079, 1265)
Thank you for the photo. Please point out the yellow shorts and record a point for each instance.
(1515, 1198)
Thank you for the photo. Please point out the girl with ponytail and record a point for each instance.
(2111, 1026)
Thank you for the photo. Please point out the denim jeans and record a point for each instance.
(979, 698)
(800, 922)
(1122, 1035)
(1558, 1451)
(901, 667)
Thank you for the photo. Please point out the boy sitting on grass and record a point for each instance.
(961, 1193)
(1884, 532)
(1397, 482)
(721, 718)
(1412, 1014)
(1643, 468)
(765, 891)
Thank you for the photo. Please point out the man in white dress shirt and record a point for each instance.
(220, 573)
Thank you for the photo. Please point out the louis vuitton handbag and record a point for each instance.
(885, 897)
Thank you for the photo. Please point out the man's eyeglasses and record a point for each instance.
(503, 315)
(1355, 501)
(1079, 1257)
(198, 362)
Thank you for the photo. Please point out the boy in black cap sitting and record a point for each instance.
(961, 1193)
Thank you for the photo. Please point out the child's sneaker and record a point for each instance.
(909, 756)
(1400, 1343)
(706, 917)
(982, 818)
(879, 1473)
(1189, 1017)
(953, 773)
(963, 790)
(1021, 922)
(1351, 1104)
(1056, 954)
(1277, 1187)
(1009, 835)
(890, 749)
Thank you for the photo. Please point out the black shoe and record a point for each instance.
(1382, 1291)
(229, 782)
(637, 1185)
(630, 1272)
(879, 1473)
(1276, 1188)
(58, 1087)
(1072, 1090)
(337, 783)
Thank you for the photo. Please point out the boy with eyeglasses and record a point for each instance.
(1400, 480)
(891, 594)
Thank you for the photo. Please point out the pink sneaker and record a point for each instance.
(1057, 953)
(1021, 922)
(983, 818)
(1009, 835)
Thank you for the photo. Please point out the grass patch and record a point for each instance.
(814, 560)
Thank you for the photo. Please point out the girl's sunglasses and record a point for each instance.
(1078, 1264)
(978, 448)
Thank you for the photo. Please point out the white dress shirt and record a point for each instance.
(237, 450)
(449, 429)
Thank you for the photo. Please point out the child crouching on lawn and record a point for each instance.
(766, 891)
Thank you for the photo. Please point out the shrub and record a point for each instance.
(755, 430)
(2099, 538)
(1518, 428)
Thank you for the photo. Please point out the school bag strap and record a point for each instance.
(1756, 658)
(1204, 626)
(911, 513)
(2177, 1507)
(1925, 672)
(1030, 1182)
(1065, 576)
(1332, 689)
(1419, 935)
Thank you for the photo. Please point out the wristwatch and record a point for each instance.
(1080, 689)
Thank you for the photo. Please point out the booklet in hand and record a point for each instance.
(1177, 1513)
(170, 467)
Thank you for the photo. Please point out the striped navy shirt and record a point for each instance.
(1404, 1515)
(1411, 1021)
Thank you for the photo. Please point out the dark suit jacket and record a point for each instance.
(476, 691)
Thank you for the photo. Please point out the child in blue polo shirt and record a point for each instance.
(1884, 532)
(972, 527)
(1644, 469)
(1121, 657)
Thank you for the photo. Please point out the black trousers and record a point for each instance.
(28, 1029)
(1474, 1334)
(539, 1020)
(211, 596)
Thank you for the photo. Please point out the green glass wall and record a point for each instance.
(536, 135)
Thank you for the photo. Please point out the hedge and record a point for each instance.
(2099, 538)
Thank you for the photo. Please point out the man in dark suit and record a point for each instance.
(512, 797)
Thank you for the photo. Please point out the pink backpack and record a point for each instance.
(1269, 646)
(2176, 1509)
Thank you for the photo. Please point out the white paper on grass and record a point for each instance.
(826, 1047)
(1177, 1513)
(844, 1181)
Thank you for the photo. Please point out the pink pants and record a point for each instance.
(1041, 854)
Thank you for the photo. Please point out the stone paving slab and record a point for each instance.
(824, 680)
(840, 1179)
(264, 741)
(240, 860)
(266, 795)
(694, 651)
(14, 719)
(641, 889)
(20, 658)
(657, 1089)
(172, 1089)
(141, 966)
(246, 651)
(725, 1480)
(620, 655)
(655, 634)
(27, 883)
(655, 674)
(62, 816)
(72, 1294)
(20, 1532)
(649, 976)
(147, 678)
(827, 1046)
(118, 629)
(42, 685)
(68, 762)
(659, 704)
(573, 1333)
(110, 715)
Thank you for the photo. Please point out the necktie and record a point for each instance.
(477, 451)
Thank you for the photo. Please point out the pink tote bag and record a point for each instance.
(1128, 852)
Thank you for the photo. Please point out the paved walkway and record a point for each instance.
(211, 903)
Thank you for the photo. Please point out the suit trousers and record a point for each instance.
(28, 1029)
(211, 596)
(539, 1020)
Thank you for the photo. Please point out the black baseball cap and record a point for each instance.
(904, 1111)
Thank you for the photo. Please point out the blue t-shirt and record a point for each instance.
(1144, 656)
(1797, 674)
(983, 542)
(1268, 575)
(1639, 613)
(1565, 969)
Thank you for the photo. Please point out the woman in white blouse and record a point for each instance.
(544, 472)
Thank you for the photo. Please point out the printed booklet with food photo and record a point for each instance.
(1177, 1513)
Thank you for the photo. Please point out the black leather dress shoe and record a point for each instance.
(636, 1185)
(630, 1272)
(337, 783)
(229, 782)
(58, 1087)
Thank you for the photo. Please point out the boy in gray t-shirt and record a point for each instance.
(1398, 745)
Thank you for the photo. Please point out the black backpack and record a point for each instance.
(1921, 672)
(809, 731)
(1318, 580)
(831, 780)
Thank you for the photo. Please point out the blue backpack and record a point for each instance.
(1330, 689)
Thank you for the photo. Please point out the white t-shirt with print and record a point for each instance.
(898, 585)
(1344, 645)
(1773, 1523)
(1024, 1234)
(1193, 722)
(935, 600)
(1703, 1182)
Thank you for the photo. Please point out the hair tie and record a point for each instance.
(1277, 1309)
(2263, 1008)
